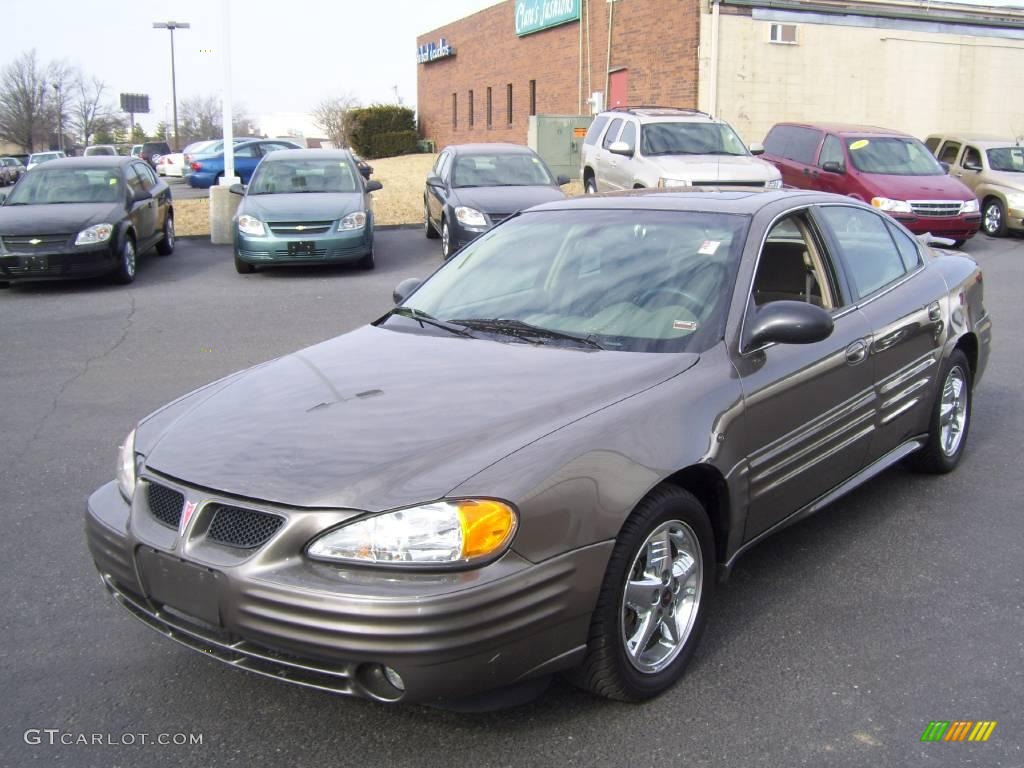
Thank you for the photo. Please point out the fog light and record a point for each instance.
(394, 678)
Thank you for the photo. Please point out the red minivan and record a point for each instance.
(891, 170)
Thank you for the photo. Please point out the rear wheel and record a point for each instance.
(4, 284)
(653, 601)
(951, 419)
(243, 267)
(166, 245)
(993, 219)
(590, 186)
(366, 262)
(125, 272)
(428, 228)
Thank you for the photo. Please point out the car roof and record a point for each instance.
(850, 129)
(94, 161)
(704, 200)
(491, 148)
(661, 114)
(983, 140)
(308, 154)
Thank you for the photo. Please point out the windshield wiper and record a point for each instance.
(522, 329)
(422, 317)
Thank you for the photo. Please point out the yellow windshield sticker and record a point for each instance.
(112, 182)
(859, 144)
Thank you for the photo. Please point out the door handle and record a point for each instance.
(857, 352)
(934, 311)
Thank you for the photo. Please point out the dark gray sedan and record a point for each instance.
(546, 455)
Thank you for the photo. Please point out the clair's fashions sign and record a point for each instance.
(535, 15)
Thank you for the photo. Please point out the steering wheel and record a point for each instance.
(688, 300)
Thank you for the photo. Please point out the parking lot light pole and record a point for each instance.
(173, 25)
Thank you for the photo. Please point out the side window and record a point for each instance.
(791, 267)
(949, 152)
(247, 151)
(832, 151)
(446, 164)
(870, 256)
(613, 132)
(272, 146)
(932, 142)
(595, 129)
(906, 245)
(149, 180)
(972, 158)
(628, 134)
(436, 170)
(135, 183)
(776, 140)
(804, 145)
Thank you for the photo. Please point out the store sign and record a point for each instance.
(535, 15)
(434, 51)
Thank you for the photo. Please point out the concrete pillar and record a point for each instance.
(223, 205)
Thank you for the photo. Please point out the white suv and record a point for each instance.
(636, 147)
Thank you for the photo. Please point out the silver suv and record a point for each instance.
(636, 147)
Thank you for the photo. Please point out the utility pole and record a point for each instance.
(173, 25)
(60, 116)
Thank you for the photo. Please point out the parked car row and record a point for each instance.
(11, 169)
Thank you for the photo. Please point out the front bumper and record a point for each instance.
(954, 227)
(1015, 219)
(328, 248)
(66, 262)
(278, 614)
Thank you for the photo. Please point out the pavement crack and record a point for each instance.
(126, 327)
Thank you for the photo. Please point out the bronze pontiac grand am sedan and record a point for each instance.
(543, 457)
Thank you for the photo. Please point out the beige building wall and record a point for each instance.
(916, 82)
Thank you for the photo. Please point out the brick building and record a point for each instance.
(481, 77)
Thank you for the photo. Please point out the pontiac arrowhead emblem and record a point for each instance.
(186, 515)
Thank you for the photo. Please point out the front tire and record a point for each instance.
(951, 419)
(243, 267)
(428, 228)
(366, 262)
(166, 245)
(446, 240)
(653, 601)
(590, 186)
(993, 219)
(126, 264)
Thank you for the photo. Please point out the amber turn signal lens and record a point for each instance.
(486, 526)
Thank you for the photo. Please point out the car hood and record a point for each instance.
(1008, 179)
(56, 218)
(304, 206)
(704, 168)
(897, 187)
(378, 419)
(505, 199)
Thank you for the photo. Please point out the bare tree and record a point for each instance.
(88, 112)
(23, 102)
(61, 79)
(202, 117)
(331, 116)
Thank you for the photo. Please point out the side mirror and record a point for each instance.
(563, 180)
(972, 167)
(373, 186)
(945, 166)
(141, 194)
(405, 288)
(757, 148)
(833, 166)
(434, 181)
(237, 189)
(621, 148)
(787, 322)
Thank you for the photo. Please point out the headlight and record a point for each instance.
(669, 183)
(355, 220)
(892, 206)
(1015, 199)
(126, 467)
(454, 532)
(249, 225)
(470, 217)
(97, 233)
(971, 206)
(773, 184)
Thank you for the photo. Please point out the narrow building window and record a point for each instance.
(489, 123)
(782, 33)
(533, 97)
(455, 110)
(508, 102)
(471, 109)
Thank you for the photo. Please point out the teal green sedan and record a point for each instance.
(305, 206)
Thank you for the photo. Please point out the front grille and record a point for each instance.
(747, 184)
(23, 244)
(165, 504)
(315, 253)
(932, 208)
(299, 227)
(242, 528)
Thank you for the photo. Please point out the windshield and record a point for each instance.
(507, 169)
(627, 280)
(320, 175)
(893, 155)
(67, 185)
(690, 139)
(1006, 159)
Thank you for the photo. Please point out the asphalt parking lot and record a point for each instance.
(835, 643)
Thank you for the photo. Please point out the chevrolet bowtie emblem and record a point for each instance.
(35, 241)
(300, 228)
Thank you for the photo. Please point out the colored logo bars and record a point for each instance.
(958, 730)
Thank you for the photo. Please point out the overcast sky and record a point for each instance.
(288, 55)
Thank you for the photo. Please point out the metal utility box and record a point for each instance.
(558, 139)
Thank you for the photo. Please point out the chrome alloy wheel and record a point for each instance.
(953, 411)
(993, 220)
(128, 258)
(661, 597)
